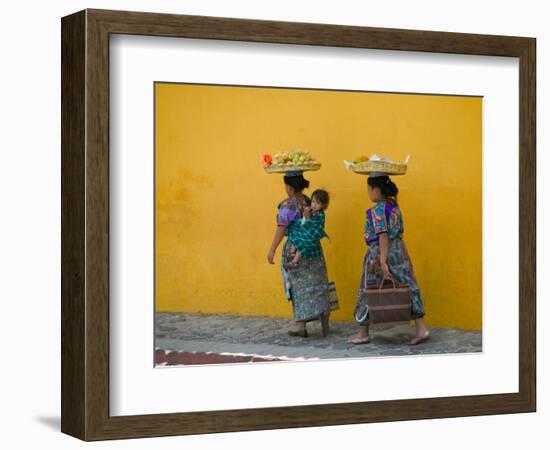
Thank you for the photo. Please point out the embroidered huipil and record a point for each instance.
(290, 210)
(383, 217)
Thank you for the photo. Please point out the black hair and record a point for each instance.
(322, 197)
(297, 182)
(387, 187)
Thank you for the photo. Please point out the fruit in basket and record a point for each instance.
(293, 157)
(266, 158)
(364, 165)
(360, 159)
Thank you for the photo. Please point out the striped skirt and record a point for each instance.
(306, 286)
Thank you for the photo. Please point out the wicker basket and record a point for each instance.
(391, 304)
(333, 299)
(282, 168)
(391, 168)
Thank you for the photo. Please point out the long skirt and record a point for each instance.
(306, 286)
(401, 268)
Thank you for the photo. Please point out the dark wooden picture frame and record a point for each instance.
(85, 224)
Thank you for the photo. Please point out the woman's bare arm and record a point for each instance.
(383, 237)
(279, 234)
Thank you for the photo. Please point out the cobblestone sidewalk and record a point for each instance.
(267, 338)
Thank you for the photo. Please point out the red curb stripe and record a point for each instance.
(190, 358)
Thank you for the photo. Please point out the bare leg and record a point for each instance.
(325, 322)
(420, 327)
(362, 337)
(297, 258)
(422, 333)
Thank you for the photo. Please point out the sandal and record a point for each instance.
(301, 333)
(356, 340)
(419, 339)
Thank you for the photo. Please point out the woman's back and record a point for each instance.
(384, 216)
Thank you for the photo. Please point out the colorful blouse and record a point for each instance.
(306, 234)
(383, 217)
(290, 210)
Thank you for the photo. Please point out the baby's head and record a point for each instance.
(319, 200)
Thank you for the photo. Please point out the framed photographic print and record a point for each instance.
(275, 224)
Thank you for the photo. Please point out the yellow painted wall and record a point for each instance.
(215, 206)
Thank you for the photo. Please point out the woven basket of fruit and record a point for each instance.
(365, 166)
(290, 161)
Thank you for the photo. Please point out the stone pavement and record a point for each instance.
(267, 338)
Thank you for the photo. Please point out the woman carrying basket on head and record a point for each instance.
(306, 285)
(387, 256)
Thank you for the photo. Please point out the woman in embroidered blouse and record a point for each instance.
(387, 257)
(306, 285)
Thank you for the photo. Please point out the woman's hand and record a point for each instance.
(307, 212)
(279, 234)
(386, 271)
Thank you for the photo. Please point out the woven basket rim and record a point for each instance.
(392, 168)
(282, 168)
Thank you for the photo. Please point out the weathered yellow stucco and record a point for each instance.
(215, 206)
